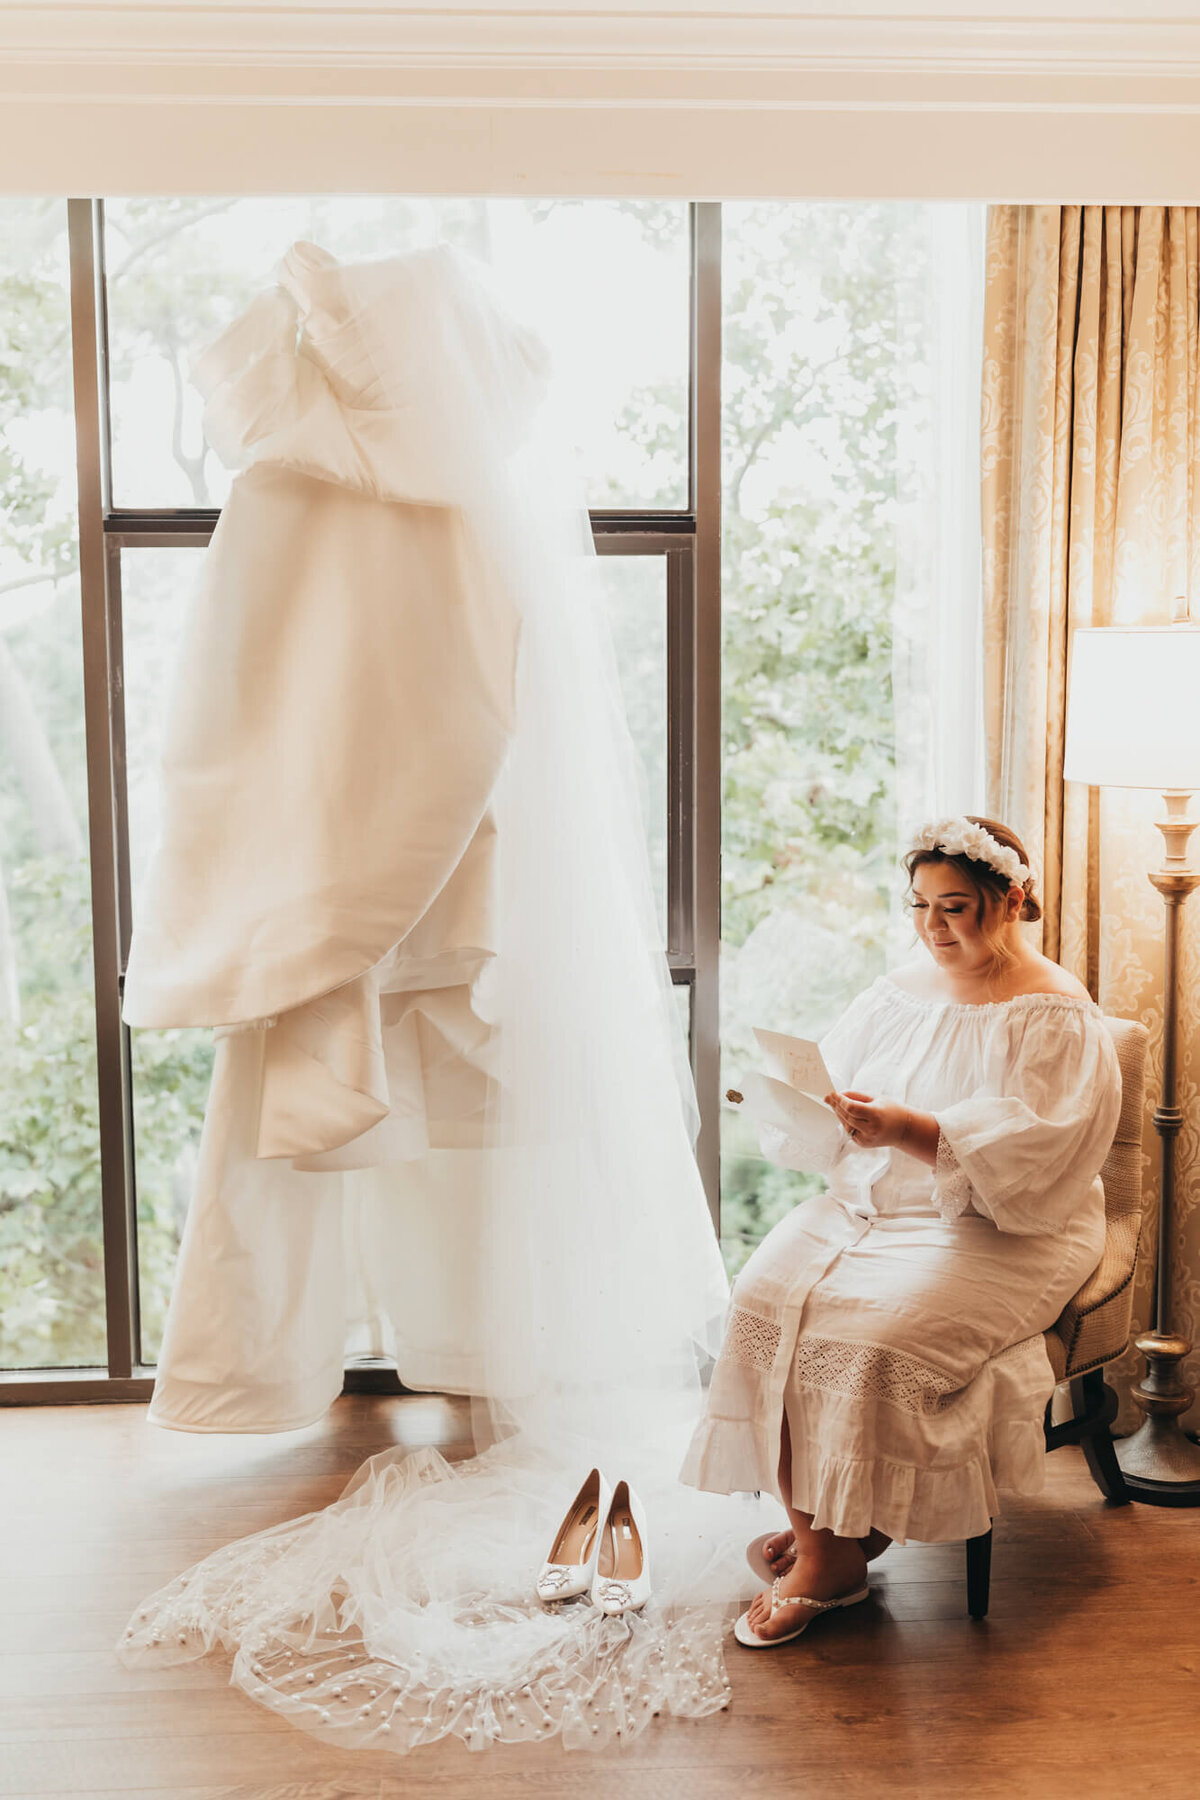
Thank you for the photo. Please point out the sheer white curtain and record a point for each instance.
(937, 653)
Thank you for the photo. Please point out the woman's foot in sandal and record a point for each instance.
(774, 1555)
(841, 1570)
(802, 1610)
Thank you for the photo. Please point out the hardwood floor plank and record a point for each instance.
(159, 1793)
(88, 1672)
(631, 1784)
(176, 1712)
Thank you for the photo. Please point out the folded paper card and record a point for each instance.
(797, 1129)
(812, 1132)
(798, 1061)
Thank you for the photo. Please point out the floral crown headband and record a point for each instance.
(959, 837)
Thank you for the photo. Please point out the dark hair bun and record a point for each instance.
(1031, 909)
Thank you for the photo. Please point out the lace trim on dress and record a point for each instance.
(952, 1189)
(751, 1339)
(1025, 1347)
(875, 1372)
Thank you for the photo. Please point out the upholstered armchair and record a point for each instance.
(1094, 1328)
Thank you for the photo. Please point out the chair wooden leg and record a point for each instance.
(979, 1574)
(1101, 1406)
(1093, 1409)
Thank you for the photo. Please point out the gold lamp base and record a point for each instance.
(1160, 1464)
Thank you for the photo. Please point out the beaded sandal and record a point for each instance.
(744, 1635)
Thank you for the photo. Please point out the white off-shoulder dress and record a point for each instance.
(898, 1318)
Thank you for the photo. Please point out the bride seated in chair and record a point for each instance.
(883, 1369)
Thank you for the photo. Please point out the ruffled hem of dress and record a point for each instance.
(721, 1453)
(850, 1495)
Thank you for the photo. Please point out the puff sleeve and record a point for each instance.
(1027, 1146)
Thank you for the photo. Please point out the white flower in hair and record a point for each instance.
(960, 837)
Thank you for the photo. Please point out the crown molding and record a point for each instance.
(1080, 99)
(216, 42)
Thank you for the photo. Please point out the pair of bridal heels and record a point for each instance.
(600, 1550)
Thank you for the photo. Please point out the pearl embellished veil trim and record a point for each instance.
(330, 1629)
(959, 837)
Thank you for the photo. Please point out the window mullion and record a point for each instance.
(681, 753)
(112, 1057)
(116, 715)
(705, 488)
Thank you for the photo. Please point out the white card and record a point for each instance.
(798, 1061)
(810, 1129)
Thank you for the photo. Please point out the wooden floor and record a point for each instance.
(1084, 1681)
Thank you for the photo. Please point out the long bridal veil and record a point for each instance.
(555, 1170)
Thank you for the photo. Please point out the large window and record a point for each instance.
(51, 1249)
(605, 283)
(804, 431)
(847, 433)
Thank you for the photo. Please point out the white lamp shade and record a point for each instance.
(1133, 707)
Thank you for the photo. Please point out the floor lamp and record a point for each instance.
(1133, 720)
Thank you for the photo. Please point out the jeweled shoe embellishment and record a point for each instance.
(553, 1579)
(613, 1593)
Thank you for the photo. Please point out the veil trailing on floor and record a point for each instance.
(403, 874)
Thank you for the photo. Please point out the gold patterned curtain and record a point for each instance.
(1091, 516)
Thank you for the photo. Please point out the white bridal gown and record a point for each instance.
(898, 1318)
(403, 875)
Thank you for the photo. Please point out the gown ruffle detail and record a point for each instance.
(324, 855)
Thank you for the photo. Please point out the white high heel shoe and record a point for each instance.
(569, 1569)
(621, 1583)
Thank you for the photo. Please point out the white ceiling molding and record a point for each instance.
(1161, 40)
(1083, 99)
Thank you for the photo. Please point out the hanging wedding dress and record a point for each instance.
(403, 874)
